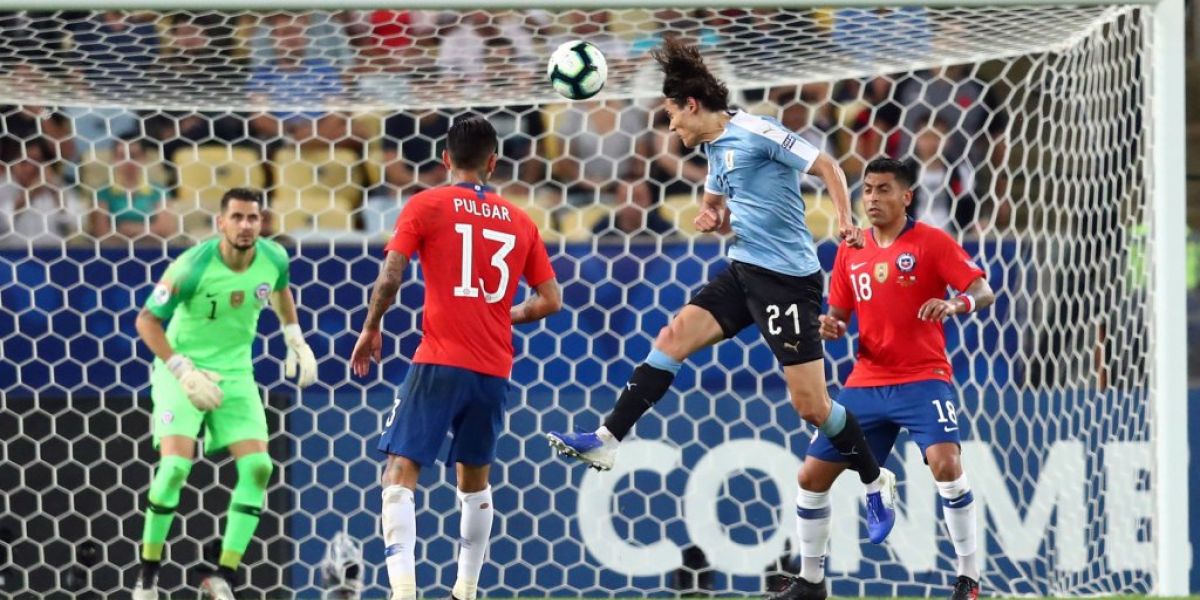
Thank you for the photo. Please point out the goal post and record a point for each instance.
(1051, 139)
(1170, 388)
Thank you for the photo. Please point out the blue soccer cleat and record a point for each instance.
(881, 508)
(587, 447)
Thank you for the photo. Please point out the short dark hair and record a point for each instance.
(686, 76)
(470, 141)
(904, 171)
(243, 194)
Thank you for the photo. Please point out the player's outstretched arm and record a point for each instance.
(834, 178)
(370, 342)
(199, 385)
(300, 362)
(833, 323)
(546, 301)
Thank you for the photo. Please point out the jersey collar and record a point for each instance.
(909, 223)
(479, 188)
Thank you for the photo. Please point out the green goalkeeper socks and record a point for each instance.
(168, 482)
(254, 470)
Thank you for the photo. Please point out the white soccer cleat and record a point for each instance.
(141, 593)
(589, 448)
(215, 587)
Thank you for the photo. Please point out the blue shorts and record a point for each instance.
(927, 409)
(437, 398)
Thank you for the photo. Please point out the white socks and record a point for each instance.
(812, 523)
(475, 529)
(399, 537)
(958, 506)
(605, 435)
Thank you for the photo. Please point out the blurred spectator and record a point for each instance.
(599, 141)
(412, 159)
(944, 187)
(463, 51)
(27, 122)
(636, 216)
(953, 96)
(520, 166)
(889, 34)
(671, 169)
(132, 206)
(671, 21)
(325, 38)
(388, 54)
(199, 51)
(591, 26)
(292, 77)
(34, 206)
(115, 50)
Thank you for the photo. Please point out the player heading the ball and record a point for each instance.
(773, 279)
(473, 246)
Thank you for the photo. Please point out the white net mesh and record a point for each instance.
(122, 130)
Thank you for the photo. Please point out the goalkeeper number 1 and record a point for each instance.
(203, 377)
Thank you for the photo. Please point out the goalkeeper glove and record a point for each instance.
(199, 385)
(299, 354)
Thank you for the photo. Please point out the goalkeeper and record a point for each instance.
(203, 378)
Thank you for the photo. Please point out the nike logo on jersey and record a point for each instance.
(949, 429)
(857, 266)
(852, 452)
(210, 295)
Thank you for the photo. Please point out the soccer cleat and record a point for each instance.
(799, 588)
(141, 593)
(881, 508)
(214, 587)
(587, 447)
(965, 589)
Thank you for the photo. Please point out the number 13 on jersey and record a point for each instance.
(466, 288)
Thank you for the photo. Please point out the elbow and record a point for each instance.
(553, 305)
(985, 300)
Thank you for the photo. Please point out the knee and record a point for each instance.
(812, 404)
(175, 472)
(812, 482)
(945, 468)
(669, 342)
(255, 468)
(811, 407)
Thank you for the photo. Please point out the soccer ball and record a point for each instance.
(577, 70)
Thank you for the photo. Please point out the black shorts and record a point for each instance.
(785, 308)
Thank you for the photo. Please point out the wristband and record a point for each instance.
(969, 301)
(293, 335)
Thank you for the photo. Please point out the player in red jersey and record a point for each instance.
(474, 246)
(897, 284)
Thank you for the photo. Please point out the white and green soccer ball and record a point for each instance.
(577, 70)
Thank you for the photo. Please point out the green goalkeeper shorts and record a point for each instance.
(240, 417)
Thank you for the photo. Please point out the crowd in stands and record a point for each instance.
(605, 168)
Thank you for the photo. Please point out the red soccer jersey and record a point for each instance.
(473, 245)
(887, 286)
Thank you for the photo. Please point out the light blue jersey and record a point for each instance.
(756, 164)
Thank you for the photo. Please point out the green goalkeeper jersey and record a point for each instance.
(213, 310)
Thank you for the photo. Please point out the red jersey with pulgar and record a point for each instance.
(473, 247)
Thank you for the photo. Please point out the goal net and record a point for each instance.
(122, 129)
